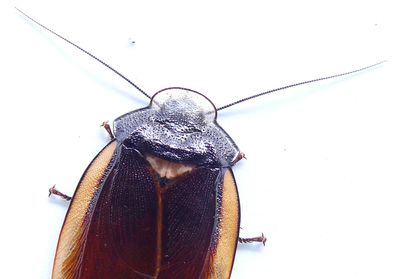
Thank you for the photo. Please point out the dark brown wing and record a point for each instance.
(127, 222)
(71, 243)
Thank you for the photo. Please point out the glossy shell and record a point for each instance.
(159, 201)
(179, 125)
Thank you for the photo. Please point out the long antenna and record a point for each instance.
(297, 84)
(88, 53)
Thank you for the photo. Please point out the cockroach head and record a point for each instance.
(178, 104)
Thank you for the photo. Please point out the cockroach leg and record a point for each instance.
(239, 157)
(54, 191)
(260, 238)
(108, 129)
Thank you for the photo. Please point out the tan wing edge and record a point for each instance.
(73, 230)
(224, 255)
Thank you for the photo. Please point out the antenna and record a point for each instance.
(297, 84)
(88, 53)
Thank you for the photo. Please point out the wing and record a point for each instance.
(76, 224)
(127, 222)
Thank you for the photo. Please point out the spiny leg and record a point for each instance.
(262, 239)
(108, 129)
(239, 157)
(54, 191)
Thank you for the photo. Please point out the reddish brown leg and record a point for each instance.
(54, 191)
(239, 157)
(260, 238)
(108, 129)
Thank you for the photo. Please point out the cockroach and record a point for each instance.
(160, 200)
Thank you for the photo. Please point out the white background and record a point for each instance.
(322, 175)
